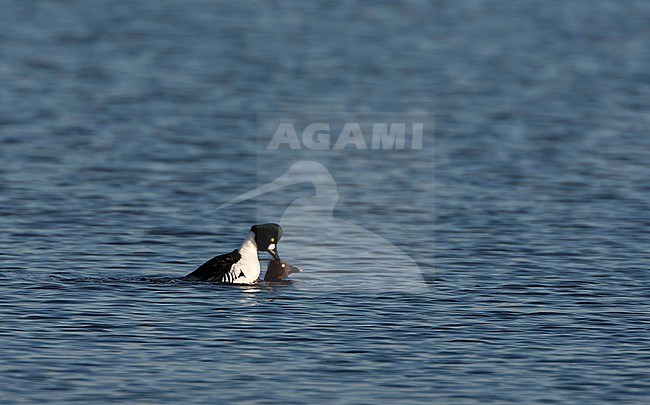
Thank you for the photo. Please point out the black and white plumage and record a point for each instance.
(217, 268)
(241, 266)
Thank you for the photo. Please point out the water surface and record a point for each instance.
(123, 127)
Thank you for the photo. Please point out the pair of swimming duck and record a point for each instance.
(242, 266)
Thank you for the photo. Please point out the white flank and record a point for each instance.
(249, 264)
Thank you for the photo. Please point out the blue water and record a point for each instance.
(123, 126)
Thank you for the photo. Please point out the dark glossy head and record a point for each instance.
(279, 270)
(267, 237)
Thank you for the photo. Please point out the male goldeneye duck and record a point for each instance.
(279, 270)
(242, 266)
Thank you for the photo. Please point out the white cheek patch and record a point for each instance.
(272, 246)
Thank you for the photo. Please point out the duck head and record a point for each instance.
(267, 237)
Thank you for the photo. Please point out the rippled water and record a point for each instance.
(123, 127)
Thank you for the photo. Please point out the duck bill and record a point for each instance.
(273, 251)
(294, 269)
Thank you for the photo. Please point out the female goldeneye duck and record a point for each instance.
(242, 266)
(279, 270)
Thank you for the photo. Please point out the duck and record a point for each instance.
(278, 270)
(242, 266)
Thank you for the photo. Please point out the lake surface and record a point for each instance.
(505, 261)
